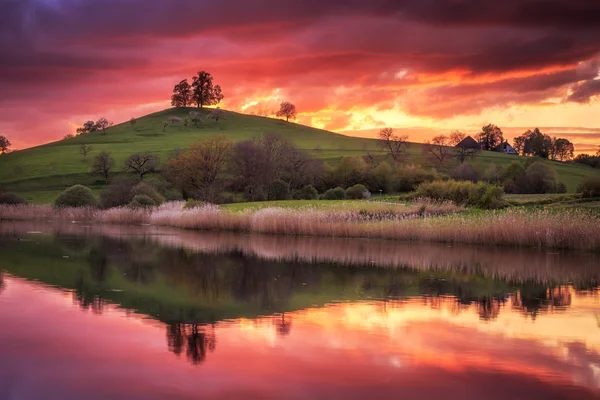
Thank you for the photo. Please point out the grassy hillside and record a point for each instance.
(40, 173)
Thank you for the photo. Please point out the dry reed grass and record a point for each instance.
(568, 229)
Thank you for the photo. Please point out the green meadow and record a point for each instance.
(40, 173)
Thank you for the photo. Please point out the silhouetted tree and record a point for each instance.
(395, 145)
(102, 165)
(102, 124)
(88, 127)
(439, 150)
(142, 163)
(4, 144)
(84, 150)
(132, 122)
(204, 92)
(490, 137)
(68, 136)
(182, 94)
(562, 149)
(456, 137)
(287, 110)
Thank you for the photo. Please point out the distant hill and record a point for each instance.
(41, 172)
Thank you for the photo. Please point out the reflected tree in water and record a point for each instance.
(489, 307)
(283, 325)
(194, 338)
(2, 284)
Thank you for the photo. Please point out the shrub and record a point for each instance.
(482, 194)
(172, 195)
(76, 196)
(357, 192)
(279, 190)
(12, 199)
(540, 177)
(191, 203)
(590, 187)
(117, 193)
(410, 176)
(334, 194)
(465, 172)
(142, 201)
(255, 193)
(145, 189)
(382, 178)
(308, 192)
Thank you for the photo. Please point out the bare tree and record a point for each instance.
(102, 124)
(456, 137)
(186, 122)
(196, 118)
(142, 163)
(4, 144)
(395, 145)
(462, 154)
(439, 150)
(165, 124)
(68, 136)
(84, 150)
(287, 110)
(103, 164)
(216, 114)
(133, 121)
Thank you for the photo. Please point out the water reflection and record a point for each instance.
(256, 320)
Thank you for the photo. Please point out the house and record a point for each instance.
(506, 148)
(469, 143)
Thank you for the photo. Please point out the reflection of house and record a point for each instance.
(468, 143)
(506, 148)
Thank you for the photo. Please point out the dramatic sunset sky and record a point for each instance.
(352, 66)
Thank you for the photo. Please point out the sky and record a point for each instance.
(422, 67)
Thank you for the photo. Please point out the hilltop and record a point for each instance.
(41, 172)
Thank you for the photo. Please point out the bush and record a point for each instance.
(279, 190)
(482, 194)
(306, 193)
(142, 201)
(76, 196)
(334, 194)
(357, 192)
(117, 193)
(172, 195)
(540, 178)
(146, 189)
(12, 199)
(410, 176)
(590, 187)
(255, 193)
(465, 172)
(191, 203)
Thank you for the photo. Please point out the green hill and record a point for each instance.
(41, 172)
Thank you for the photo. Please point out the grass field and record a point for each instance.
(39, 174)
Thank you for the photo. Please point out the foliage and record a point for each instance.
(395, 145)
(287, 110)
(88, 127)
(279, 190)
(146, 189)
(118, 193)
(537, 144)
(590, 187)
(586, 159)
(562, 149)
(481, 195)
(308, 192)
(204, 92)
(10, 198)
(141, 163)
(465, 172)
(4, 144)
(382, 178)
(102, 165)
(350, 171)
(197, 171)
(357, 192)
(191, 203)
(102, 124)
(490, 137)
(182, 94)
(410, 176)
(540, 177)
(76, 196)
(334, 194)
(216, 114)
(142, 201)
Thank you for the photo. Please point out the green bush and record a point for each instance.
(357, 192)
(118, 193)
(12, 199)
(279, 190)
(540, 178)
(255, 193)
(590, 187)
(76, 196)
(334, 194)
(146, 189)
(308, 192)
(142, 201)
(410, 176)
(481, 195)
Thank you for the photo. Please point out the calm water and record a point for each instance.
(148, 313)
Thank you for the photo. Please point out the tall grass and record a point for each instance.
(428, 222)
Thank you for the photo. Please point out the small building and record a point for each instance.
(506, 149)
(469, 143)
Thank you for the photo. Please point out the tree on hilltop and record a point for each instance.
(204, 92)
(102, 124)
(287, 110)
(88, 127)
(4, 144)
(490, 137)
(182, 94)
(395, 145)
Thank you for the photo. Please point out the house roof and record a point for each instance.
(468, 143)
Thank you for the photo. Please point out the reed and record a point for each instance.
(422, 221)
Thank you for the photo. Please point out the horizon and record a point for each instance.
(421, 67)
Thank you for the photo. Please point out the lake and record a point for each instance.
(108, 312)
